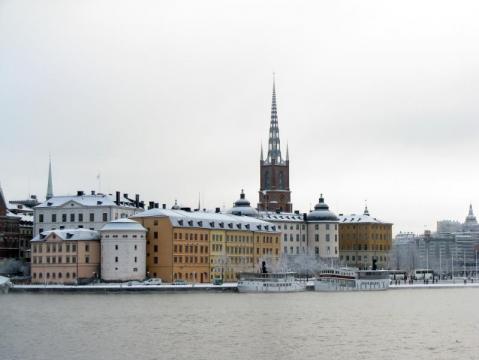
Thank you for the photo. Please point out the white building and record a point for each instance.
(323, 231)
(82, 211)
(123, 251)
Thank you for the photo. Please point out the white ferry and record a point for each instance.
(270, 282)
(346, 279)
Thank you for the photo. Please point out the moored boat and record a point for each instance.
(270, 282)
(5, 284)
(347, 279)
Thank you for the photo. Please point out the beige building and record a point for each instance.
(362, 239)
(67, 256)
(197, 246)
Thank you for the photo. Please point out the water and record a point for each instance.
(395, 324)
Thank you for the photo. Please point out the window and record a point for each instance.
(87, 247)
(80, 217)
(64, 217)
(155, 235)
(136, 247)
(290, 237)
(316, 251)
(105, 217)
(116, 259)
(285, 249)
(136, 259)
(54, 217)
(92, 217)
(87, 259)
(285, 237)
(155, 248)
(316, 227)
(40, 218)
(155, 259)
(68, 247)
(72, 217)
(316, 237)
(74, 248)
(74, 259)
(116, 247)
(327, 237)
(327, 226)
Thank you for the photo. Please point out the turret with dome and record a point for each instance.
(321, 212)
(242, 206)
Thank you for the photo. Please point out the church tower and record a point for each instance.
(274, 193)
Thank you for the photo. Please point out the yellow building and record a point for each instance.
(199, 246)
(363, 238)
(66, 256)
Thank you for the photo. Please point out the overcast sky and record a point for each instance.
(377, 100)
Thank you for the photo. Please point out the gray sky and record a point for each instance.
(377, 100)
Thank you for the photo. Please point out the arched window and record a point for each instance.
(266, 180)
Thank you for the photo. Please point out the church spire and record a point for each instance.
(50, 183)
(274, 148)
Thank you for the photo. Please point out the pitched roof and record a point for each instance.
(85, 200)
(70, 235)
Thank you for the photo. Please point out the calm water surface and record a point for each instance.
(401, 324)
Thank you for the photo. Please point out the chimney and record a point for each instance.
(125, 196)
(278, 211)
(93, 192)
(151, 205)
(142, 204)
(217, 210)
(305, 217)
(137, 200)
(163, 206)
(79, 193)
(117, 198)
(157, 205)
(296, 212)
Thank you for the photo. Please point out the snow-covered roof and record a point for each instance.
(85, 200)
(201, 219)
(280, 217)
(361, 218)
(19, 208)
(123, 225)
(69, 234)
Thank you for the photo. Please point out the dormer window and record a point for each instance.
(200, 223)
(190, 222)
(180, 222)
(212, 224)
(49, 203)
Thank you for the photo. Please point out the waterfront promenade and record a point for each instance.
(226, 287)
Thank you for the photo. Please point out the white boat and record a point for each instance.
(347, 279)
(270, 282)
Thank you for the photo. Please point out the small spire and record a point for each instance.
(242, 196)
(50, 182)
(274, 147)
(199, 201)
(261, 158)
(366, 211)
(287, 151)
(471, 212)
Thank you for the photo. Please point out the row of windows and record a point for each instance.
(291, 250)
(53, 275)
(285, 237)
(190, 276)
(365, 236)
(57, 259)
(135, 259)
(135, 247)
(328, 238)
(38, 248)
(63, 227)
(124, 236)
(190, 259)
(41, 217)
(364, 247)
(239, 250)
(188, 248)
(361, 258)
(291, 227)
(188, 236)
(328, 251)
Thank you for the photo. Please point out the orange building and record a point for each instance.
(66, 256)
(198, 246)
(363, 238)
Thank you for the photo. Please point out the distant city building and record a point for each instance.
(16, 225)
(274, 192)
(199, 246)
(452, 226)
(363, 238)
(123, 251)
(67, 256)
(90, 211)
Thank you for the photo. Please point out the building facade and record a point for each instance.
(67, 256)
(198, 246)
(90, 211)
(274, 192)
(362, 239)
(123, 251)
(323, 232)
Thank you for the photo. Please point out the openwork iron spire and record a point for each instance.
(50, 182)
(274, 148)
